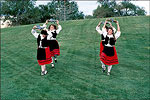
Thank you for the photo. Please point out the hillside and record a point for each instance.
(77, 75)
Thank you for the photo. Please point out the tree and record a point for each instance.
(107, 3)
(118, 10)
(109, 8)
(66, 10)
(19, 9)
(140, 11)
(25, 12)
(105, 9)
(46, 12)
(130, 9)
(88, 17)
(73, 12)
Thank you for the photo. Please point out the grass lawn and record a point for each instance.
(78, 73)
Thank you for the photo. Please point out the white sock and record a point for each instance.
(109, 68)
(43, 68)
(103, 65)
(52, 60)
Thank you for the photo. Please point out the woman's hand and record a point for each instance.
(99, 23)
(104, 27)
(57, 21)
(46, 21)
(117, 22)
(106, 21)
(34, 27)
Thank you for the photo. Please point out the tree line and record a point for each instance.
(109, 8)
(25, 11)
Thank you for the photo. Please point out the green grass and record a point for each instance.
(78, 72)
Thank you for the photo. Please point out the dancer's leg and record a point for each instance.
(109, 69)
(103, 66)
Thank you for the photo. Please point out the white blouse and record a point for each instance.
(57, 31)
(104, 32)
(117, 34)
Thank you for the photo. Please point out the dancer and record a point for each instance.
(109, 54)
(43, 51)
(102, 37)
(54, 46)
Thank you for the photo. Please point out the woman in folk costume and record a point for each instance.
(102, 38)
(54, 46)
(109, 54)
(43, 51)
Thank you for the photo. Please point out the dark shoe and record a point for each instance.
(55, 60)
(43, 73)
(103, 70)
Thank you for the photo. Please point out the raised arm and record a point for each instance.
(118, 27)
(33, 31)
(45, 24)
(59, 27)
(104, 27)
(118, 33)
(98, 27)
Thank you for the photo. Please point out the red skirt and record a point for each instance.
(48, 59)
(109, 60)
(101, 48)
(54, 47)
(55, 52)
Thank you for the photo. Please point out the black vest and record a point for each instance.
(110, 40)
(102, 37)
(54, 34)
(44, 41)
